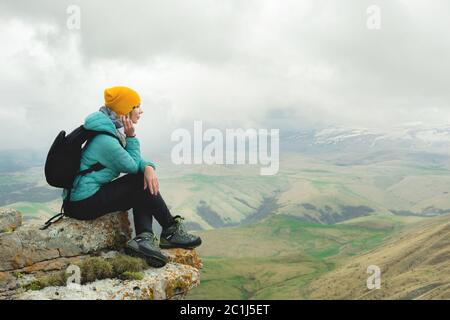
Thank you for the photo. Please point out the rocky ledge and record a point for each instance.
(28, 255)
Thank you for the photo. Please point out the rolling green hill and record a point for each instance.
(279, 257)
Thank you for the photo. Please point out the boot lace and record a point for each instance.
(149, 236)
(181, 231)
(180, 226)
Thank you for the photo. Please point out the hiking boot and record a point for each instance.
(176, 237)
(145, 246)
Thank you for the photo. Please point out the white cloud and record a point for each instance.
(228, 63)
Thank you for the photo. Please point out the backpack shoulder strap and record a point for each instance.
(97, 166)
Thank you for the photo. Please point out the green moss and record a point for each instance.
(129, 275)
(53, 279)
(95, 268)
(57, 279)
(18, 275)
(35, 285)
(123, 263)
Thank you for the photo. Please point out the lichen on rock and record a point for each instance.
(10, 220)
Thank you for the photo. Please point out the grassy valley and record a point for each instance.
(279, 257)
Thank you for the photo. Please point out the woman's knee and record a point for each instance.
(136, 180)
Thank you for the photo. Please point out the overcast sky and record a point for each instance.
(243, 63)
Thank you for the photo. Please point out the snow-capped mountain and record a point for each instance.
(412, 135)
(409, 140)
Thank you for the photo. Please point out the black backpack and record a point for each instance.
(63, 161)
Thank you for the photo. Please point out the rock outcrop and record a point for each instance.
(27, 253)
(68, 238)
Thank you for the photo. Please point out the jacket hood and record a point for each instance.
(98, 121)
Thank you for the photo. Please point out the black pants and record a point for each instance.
(123, 194)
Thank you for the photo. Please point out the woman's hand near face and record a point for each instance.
(128, 126)
(151, 180)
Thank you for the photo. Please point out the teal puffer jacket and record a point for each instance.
(109, 152)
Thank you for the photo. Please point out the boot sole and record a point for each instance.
(153, 261)
(181, 246)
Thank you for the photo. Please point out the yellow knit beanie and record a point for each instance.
(121, 100)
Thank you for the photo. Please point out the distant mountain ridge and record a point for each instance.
(413, 137)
